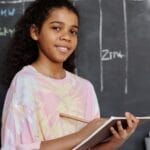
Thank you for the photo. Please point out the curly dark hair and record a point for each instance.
(23, 50)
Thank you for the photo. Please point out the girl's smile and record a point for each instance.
(63, 49)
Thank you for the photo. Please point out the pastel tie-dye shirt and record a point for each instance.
(33, 104)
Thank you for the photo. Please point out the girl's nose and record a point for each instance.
(65, 36)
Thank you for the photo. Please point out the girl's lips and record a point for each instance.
(62, 49)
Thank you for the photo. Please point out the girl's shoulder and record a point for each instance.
(80, 80)
(25, 74)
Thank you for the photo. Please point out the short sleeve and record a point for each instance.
(18, 121)
(92, 105)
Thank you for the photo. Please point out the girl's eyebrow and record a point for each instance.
(59, 22)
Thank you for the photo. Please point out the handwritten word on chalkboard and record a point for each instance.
(14, 1)
(7, 12)
(5, 31)
(10, 11)
(110, 55)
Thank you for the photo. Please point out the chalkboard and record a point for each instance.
(113, 53)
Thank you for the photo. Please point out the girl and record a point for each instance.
(42, 52)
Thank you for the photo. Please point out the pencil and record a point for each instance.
(73, 117)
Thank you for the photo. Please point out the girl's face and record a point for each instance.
(57, 38)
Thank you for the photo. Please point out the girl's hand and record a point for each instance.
(120, 136)
(90, 127)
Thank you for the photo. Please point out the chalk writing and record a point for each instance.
(4, 31)
(126, 45)
(101, 46)
(15, 1)
(7, 12)
(21, 1)
(108, 55)
(137, 0)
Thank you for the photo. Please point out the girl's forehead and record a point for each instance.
(61, 11)
(62, 14)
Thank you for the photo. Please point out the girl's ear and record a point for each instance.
(34, 32)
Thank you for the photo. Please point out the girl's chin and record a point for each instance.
(61, 58)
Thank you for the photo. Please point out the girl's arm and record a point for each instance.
(118, 138)
(63, 143)
(70, 141)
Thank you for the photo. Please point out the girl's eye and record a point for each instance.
(56, 28)
(73, 32)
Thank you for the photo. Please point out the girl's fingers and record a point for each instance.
(120, 128)
(132, 122)
(129, 120)
(114, 132)
(122, 134)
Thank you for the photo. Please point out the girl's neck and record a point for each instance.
(50, 70)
